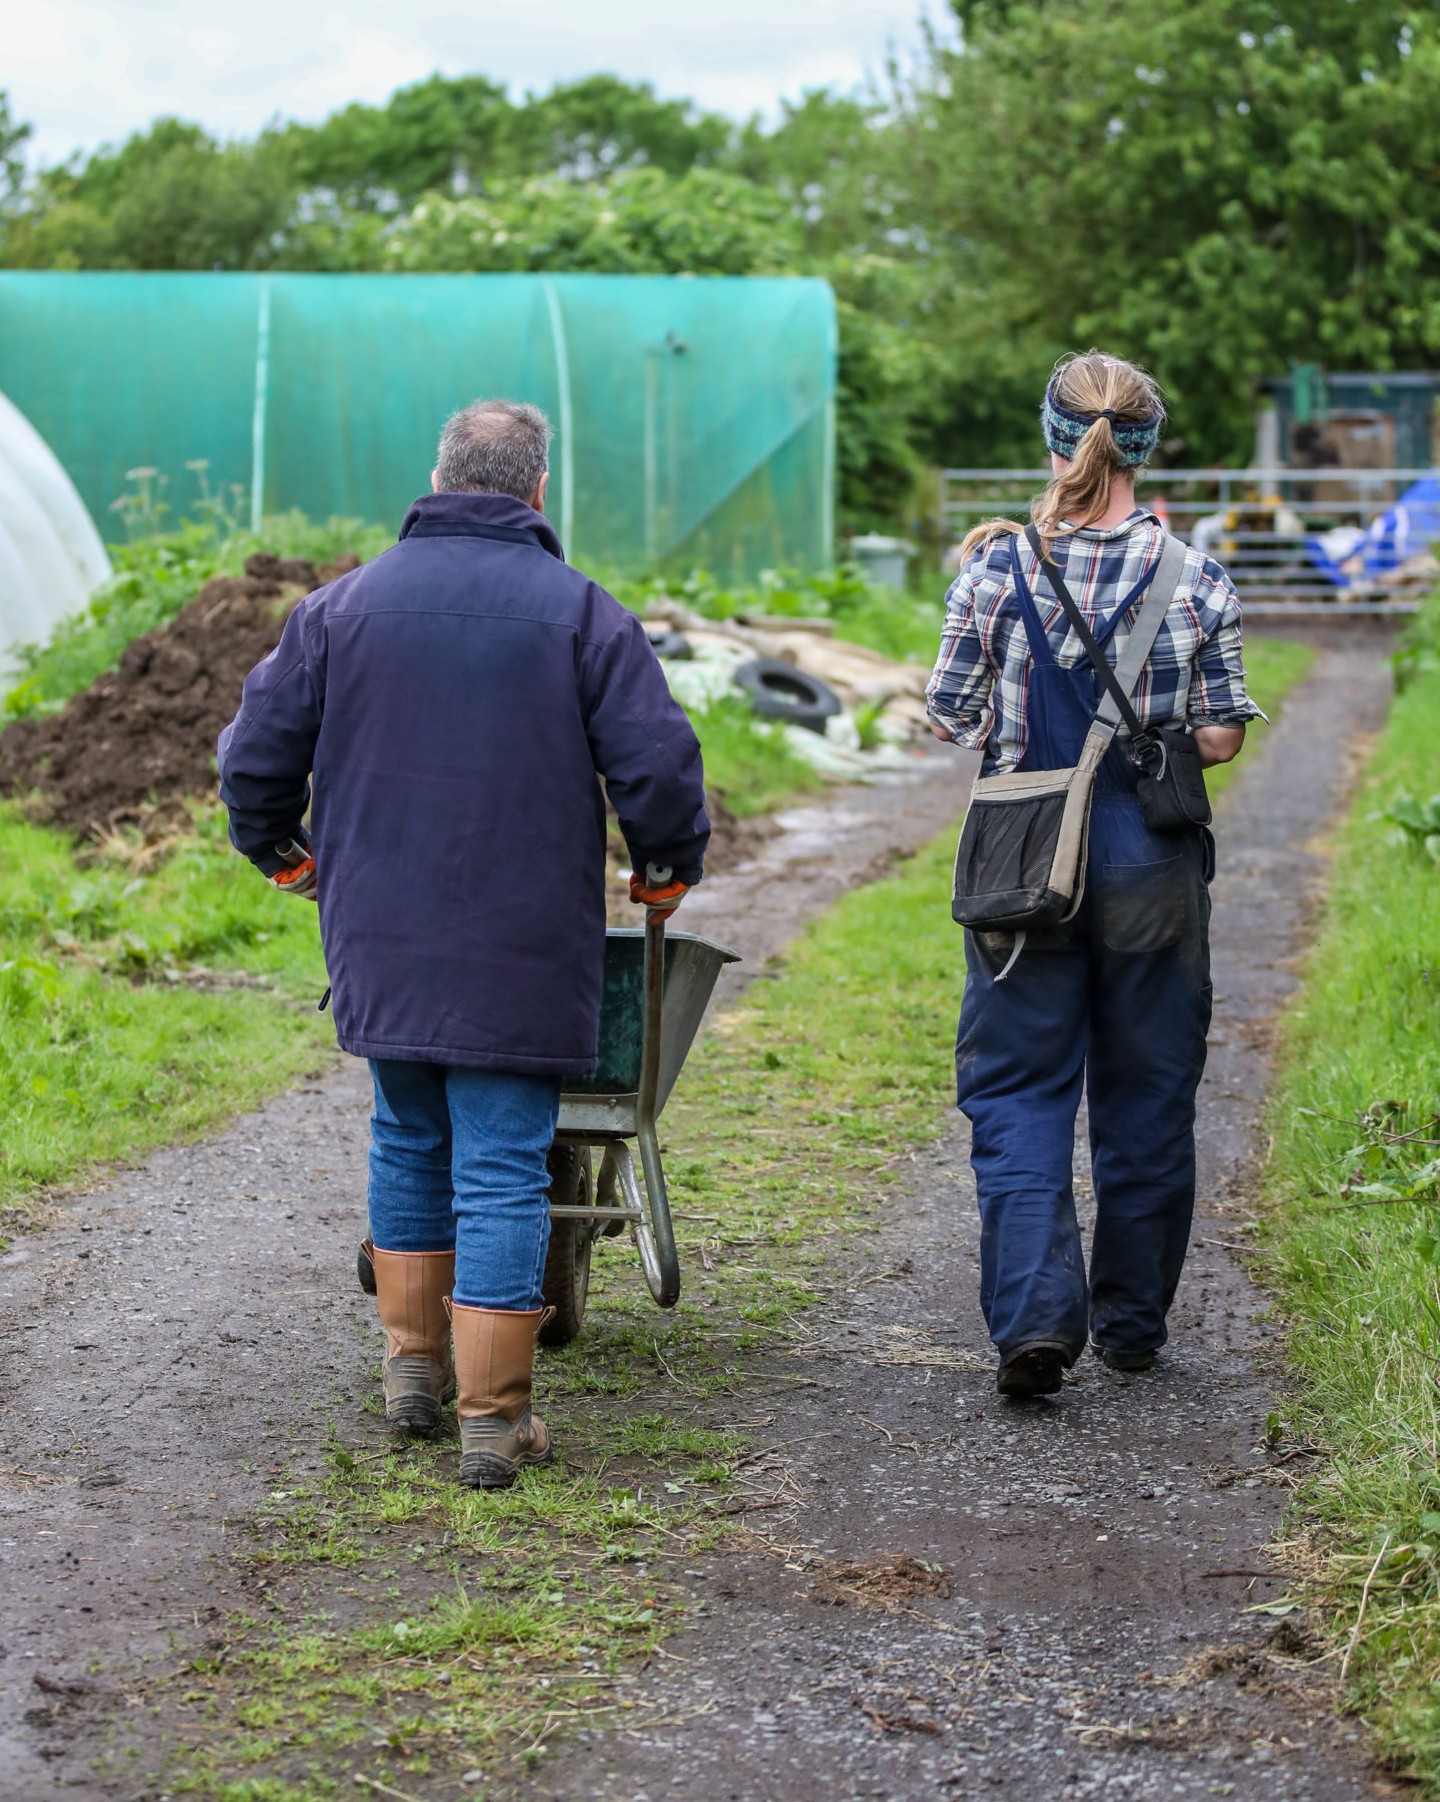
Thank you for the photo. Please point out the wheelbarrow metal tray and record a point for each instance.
(603, 1104)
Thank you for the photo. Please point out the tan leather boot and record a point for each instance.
(412, 1289)
(499, 1436)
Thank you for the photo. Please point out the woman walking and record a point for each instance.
(1118, 998)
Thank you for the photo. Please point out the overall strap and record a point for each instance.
(1120, 682)
(1039, 644)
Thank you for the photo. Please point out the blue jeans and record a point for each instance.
(457, 1162)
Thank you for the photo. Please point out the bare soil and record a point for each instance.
(142, 736)
(139, 742)
(946, 1594)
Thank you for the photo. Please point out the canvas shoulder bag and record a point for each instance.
(1020, 863)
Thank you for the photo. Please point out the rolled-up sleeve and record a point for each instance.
(959, 693)
(1218, 694)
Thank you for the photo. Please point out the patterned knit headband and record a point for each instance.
(1135, 439)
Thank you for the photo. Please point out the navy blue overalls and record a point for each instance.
(1118, 1000)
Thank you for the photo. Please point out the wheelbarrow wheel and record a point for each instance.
(567, 1263)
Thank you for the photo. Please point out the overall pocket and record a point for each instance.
(1147, 906)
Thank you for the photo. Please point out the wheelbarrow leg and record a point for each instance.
(659, 1257)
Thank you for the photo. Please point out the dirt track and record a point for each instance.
(174, 1336)
(1099, 1550)
(166, 1345)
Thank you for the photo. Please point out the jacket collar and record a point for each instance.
(480, 516)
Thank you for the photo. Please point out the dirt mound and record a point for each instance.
(141, 739)
(145, 733)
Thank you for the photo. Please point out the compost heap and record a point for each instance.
(134, 746)
(141, 738)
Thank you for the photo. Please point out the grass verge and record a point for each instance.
(140, 1005)
(1350, 1247)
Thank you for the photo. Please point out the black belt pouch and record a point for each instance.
(1171, 790)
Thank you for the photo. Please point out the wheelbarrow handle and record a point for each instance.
(665, 1279)
(655, 918)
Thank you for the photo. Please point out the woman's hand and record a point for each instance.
(1218, 744)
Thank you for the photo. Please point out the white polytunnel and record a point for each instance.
(51, 557)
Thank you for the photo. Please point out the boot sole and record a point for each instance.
(1038, 1371)
(488, 1470)
(1125, 1360)
(416, 1415)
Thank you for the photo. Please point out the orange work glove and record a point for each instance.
(298, 876)
(657, 890)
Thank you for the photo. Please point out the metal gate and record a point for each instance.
(1294, 538)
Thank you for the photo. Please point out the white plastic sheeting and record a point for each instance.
(51, 556)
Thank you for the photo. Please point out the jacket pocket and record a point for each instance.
(1146, 906)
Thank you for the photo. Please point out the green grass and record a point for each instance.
(748, 763)
(1350, 1246)
(898, 624)
(121, 1027)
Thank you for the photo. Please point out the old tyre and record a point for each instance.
(779, 691)
(668, 643)
(567, 1263)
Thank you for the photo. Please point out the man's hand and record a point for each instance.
(657, 890)
(298, 876)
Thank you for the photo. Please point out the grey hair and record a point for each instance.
(493, 447)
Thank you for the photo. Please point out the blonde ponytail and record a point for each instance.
(1103, 415)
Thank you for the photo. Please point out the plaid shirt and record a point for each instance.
(1195, 672)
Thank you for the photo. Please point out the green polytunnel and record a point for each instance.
(694, 416)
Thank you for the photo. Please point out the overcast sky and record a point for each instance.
(82, 72)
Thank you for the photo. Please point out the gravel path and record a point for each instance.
(1098, 1553)
(172, 1340)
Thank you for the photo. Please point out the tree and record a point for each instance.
(639, 222)
(12, 164)
(1212, 189)
(169, 198)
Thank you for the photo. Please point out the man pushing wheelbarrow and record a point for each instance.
(451, 703)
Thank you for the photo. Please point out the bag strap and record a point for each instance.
(1120, 682)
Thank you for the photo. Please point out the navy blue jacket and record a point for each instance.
(454, 701)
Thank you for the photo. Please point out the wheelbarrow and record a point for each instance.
(656, 990)
(657, 987)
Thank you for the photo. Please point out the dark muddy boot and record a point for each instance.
(413, 1292)
(494, 1355)
(1113, 1358)
(1032, 1370)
